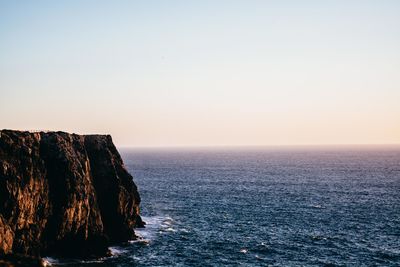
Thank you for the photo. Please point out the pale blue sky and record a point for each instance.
(166, 73)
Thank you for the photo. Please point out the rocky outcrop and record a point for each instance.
(64, 194)
(116, 191)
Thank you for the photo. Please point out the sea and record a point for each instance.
(263, 206)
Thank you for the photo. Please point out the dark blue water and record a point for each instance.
(265, 207)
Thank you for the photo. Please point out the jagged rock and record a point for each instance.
(19, 260)
(116, 191)
(64, 194)
(6, 236)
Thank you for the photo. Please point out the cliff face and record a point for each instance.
(64, 194)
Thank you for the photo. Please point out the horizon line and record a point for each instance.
(258, 146)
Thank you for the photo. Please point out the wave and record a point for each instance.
(154, 226)
(51, 261)
(117, 250)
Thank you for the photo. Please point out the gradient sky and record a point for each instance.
(176, 73)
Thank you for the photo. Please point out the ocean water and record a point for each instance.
(264, 207)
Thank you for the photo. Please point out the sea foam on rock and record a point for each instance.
(64, 194)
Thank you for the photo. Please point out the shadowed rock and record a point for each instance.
(64, 194)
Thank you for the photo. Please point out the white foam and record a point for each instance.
(154, 225)
(140, 240)
(243, 250)
(317, 206)
(168, 218)
(48, 261)
(94, 261)
(115, 251)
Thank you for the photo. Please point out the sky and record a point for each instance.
(204, 73)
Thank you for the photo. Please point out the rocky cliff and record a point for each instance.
(64, 194)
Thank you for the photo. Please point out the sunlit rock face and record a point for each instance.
(64, 194)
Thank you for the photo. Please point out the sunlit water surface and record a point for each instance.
(264, 207)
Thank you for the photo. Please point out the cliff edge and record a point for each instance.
(64, 194)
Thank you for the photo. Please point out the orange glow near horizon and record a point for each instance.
(204, 74)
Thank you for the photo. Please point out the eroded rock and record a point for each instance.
(64, 194)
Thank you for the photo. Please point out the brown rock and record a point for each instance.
(6, 237)
(64, 194)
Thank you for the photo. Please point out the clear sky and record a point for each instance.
(195, 73)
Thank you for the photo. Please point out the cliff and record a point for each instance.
(64, 194)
